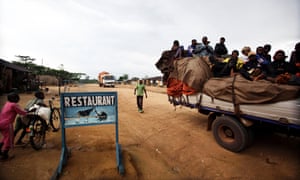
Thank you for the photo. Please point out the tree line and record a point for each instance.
(61, 74)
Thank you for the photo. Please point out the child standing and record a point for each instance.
(7, 118)
(139, 92)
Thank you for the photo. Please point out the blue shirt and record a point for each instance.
(203, 50)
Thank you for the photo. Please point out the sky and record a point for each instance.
(128, 36)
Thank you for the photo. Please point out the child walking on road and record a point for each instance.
(7, 118)
(139, 91)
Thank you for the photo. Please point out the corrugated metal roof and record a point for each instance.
(13, 66)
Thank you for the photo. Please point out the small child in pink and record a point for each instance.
(7, 118)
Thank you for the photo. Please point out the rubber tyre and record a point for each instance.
(55, 121)
(230, 134)
(39, 133)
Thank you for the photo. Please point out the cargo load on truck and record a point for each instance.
(191, 75)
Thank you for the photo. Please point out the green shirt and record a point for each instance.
(140, 89)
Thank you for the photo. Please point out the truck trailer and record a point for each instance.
(234, 130)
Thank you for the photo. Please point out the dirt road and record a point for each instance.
(161, 143)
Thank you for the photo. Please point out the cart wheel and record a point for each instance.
(230, 134)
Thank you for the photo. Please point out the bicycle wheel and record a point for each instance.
(37, 138)
(55, 119)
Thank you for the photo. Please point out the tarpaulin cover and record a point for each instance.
(249, 92)
(192, 71)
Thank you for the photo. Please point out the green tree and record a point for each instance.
(123, 78)
(27, 61)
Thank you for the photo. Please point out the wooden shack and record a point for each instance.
(13, 77)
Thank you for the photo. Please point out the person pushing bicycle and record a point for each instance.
(22, 121)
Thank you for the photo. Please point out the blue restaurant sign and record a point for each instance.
(88, 109)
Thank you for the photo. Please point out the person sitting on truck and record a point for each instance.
(267, 49)
(260, 54)
(252, 70)
(245, 51)
(295, 58)
(229, 66)
(204, 49)
(263, 59)
(192, 47)
(234, 63)
(280, 66)
(221, 49)
(179, 50)
(283, 72)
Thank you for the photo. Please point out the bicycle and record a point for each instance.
(39, 123)
(54, 116)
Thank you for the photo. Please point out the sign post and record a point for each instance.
(88, 109)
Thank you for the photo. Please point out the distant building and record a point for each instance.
(154, 81)
(15, 77)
